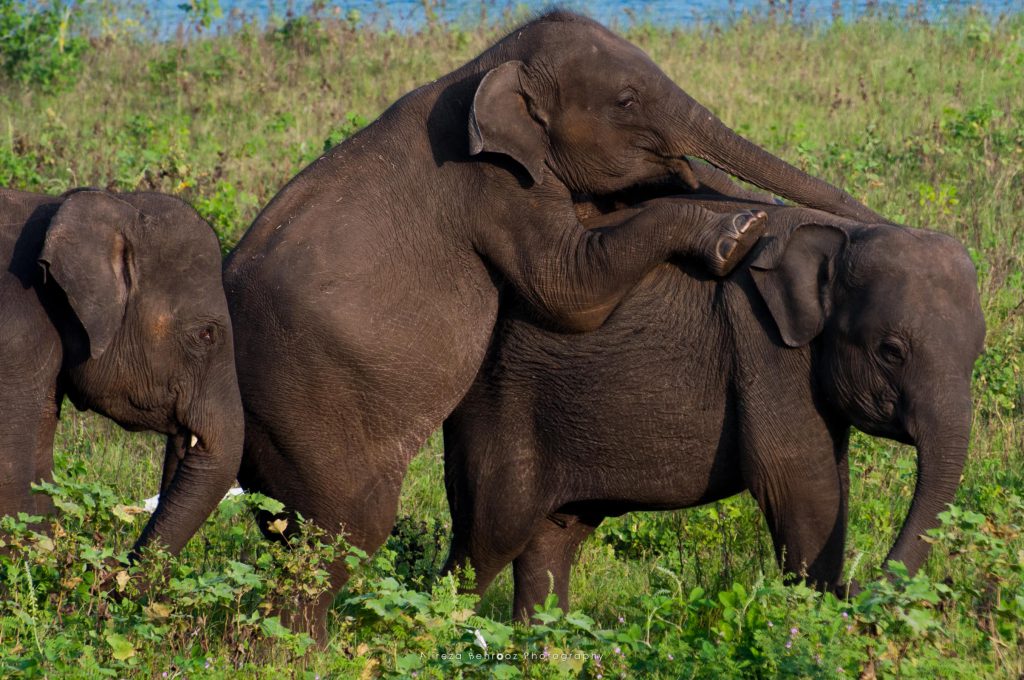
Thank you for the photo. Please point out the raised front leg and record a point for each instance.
(718, 240)
(576, 274)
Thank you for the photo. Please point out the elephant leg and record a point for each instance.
(44, 462)
(718, 241)
(545, 564)
(460, 556)
(26, 457)
(486, 555)
(494, 492)
(805, 504)
(491, 542)
(377, 515)
(303, 474)
(16, 477)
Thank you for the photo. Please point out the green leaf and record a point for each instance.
(502, 671)
(580, 620)
(409, 662)
(122, 649)
(272, 627)
(919, 620)
(68, 507)
(267, 504)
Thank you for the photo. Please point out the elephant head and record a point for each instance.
(148, 340)
(573, 99)
(894, 320)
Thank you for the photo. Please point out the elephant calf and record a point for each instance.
(116, 301)
(696, 389)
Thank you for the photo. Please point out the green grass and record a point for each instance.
(924, 123)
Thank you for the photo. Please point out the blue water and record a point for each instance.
(165, 16)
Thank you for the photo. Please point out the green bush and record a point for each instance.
(71, 606)
(37, 44)
(223, 209)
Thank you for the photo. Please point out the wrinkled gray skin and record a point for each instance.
(367, 290)
(696, 389)
(116, 301)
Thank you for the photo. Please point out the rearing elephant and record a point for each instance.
(696, 389)
(116, 301)
(366, 292)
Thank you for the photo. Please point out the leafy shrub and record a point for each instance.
(18, 167)
(224, 209)
(201, 13)
(71, 604)
(37, 44)
(301, 33)
(351, 124)
(997, 377)
(415, 548)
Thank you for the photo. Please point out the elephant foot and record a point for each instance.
(735, 235)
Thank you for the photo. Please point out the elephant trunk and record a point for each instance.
(941, 431)
(709, 138)
(201, 461)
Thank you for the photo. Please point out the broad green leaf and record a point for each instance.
(122, 649)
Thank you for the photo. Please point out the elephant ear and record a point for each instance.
(87, 254)
(499, 121)
(795, 276)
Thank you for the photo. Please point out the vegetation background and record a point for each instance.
(923, 121)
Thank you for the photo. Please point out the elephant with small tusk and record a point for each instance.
(116, 301)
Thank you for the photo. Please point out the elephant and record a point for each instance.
(365, 293)
(116, 301)
(698, 388)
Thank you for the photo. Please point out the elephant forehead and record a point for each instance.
(190, 252)
(918, 303)
(605, 66)
(160, 326)
(182, 287)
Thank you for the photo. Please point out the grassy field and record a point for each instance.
(923, 122)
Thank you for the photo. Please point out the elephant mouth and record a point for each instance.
(190, 441)
(679, 166)
(183, 443)
(886, 430)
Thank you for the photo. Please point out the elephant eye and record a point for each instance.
(627, 99)
(205, 334)
(893, 351)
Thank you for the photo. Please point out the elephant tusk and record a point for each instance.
(195, 440)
